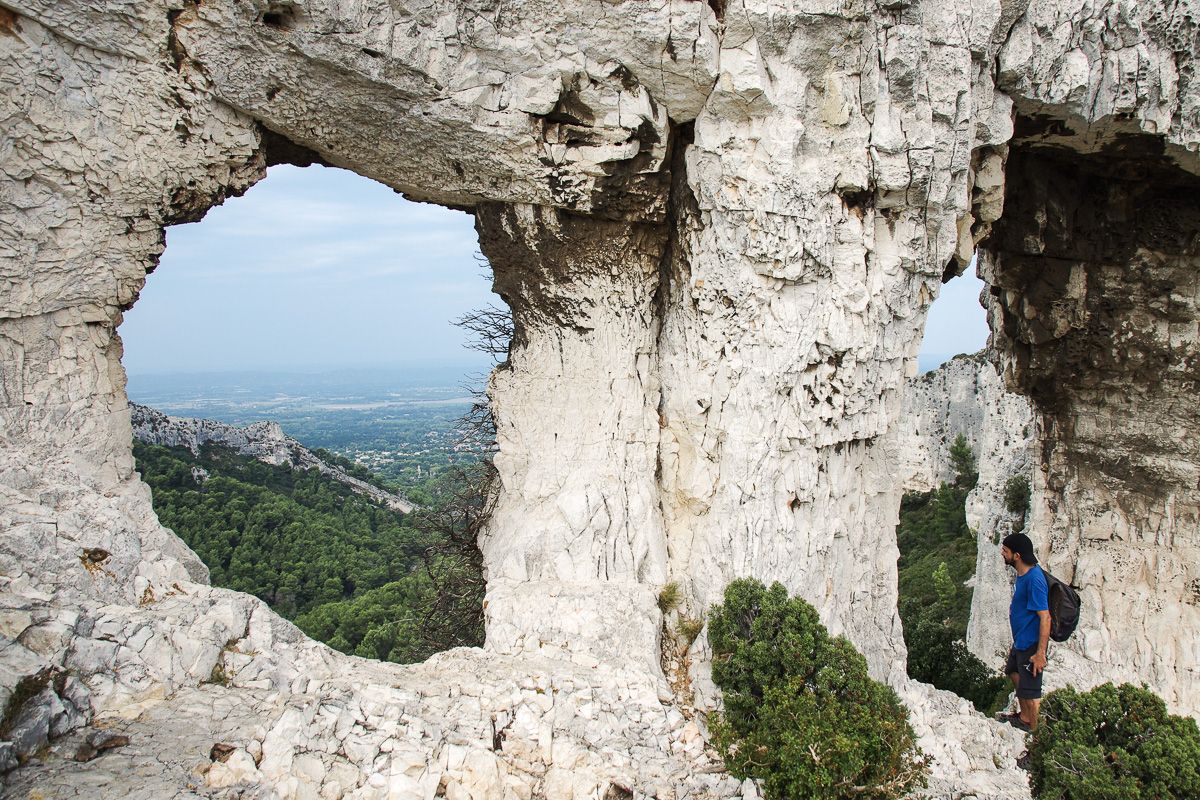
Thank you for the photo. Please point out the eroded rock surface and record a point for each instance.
(719, 227)
(1095, 285)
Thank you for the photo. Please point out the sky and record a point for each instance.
(312, 268)
(318, 268)
(956, 322)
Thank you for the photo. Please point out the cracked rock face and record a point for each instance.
(719, 235)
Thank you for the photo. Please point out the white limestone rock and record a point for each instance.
(964, 396)
(719, 237)
(30, 730)
(8, 757)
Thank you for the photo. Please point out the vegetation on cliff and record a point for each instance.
(801, 713)
(1113, 743)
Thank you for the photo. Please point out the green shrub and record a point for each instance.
(933, 631)
(1113, 743)
(669, 598)
(938, 657)
(801, 713)
(933, 531)
(1016, 495)
(963, 459)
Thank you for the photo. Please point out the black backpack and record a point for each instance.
(1064, 608)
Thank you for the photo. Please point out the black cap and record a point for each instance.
(1020, 544)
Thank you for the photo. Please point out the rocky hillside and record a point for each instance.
(265, 441)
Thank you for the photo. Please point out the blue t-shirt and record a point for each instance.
(1030, 596)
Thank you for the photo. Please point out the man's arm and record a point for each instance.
(1038, 662)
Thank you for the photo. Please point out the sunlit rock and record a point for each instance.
(719, 228)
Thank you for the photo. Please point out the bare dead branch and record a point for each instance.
(492, 330)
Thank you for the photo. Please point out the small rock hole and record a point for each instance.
(96, 554)
(617, 791)
(281, 16)
(221, 752)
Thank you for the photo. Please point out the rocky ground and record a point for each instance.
(718, 227)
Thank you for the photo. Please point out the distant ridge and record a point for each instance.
(264, 441)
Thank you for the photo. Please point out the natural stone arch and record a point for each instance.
(1094, 284)
(758, 310)
(209, 150)
(574, 148)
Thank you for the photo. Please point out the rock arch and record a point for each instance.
(1093, 273)
(719, 234)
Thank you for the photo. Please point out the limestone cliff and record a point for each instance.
(718, 227)
(264, 441)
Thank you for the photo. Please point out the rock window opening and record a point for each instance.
(956, 323)
(309, 412)
(947, 408)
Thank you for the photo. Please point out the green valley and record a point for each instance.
(363, 578)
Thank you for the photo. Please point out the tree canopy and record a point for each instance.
(801, 713)
(363, 578)
(1113, 743)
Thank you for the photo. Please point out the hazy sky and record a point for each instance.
(956, 322)
(319, 268)
(311, 268)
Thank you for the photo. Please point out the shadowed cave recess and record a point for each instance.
(1094, 285)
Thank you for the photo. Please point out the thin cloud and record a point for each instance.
(316, 200)
(313, 265)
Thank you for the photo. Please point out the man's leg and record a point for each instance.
(1029, 711)
(1029, 685)
(1011, 668)
(1024, 706)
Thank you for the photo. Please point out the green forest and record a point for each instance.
(937, 556)
(365, 579)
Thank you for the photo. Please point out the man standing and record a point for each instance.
(1029, 618)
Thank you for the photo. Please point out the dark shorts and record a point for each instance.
(1029, 686)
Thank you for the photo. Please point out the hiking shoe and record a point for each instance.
(1019, 724)
(1005, 716)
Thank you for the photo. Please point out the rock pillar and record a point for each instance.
(797, 296)
(574, 549)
